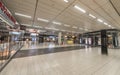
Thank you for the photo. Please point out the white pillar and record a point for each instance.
(59, 38)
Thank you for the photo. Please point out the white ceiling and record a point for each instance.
(65, 13)
(116, 5)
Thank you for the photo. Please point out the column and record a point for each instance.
(59, 38)
(115, 39)
(104, 49)
(93, 40)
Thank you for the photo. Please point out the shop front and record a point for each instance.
(94, 38)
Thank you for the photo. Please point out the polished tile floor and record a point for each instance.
(88, 61)
(46, 45)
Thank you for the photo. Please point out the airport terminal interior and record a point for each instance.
(59, 37)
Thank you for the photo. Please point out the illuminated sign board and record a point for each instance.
(5, 13)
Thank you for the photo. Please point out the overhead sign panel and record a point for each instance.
(6, 15)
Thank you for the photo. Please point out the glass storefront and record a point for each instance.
(94, 38)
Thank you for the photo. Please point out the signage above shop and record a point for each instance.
(6, 15)
(32, 30)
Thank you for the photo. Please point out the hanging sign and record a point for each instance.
(6, 15)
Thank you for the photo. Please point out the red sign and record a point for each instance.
(7, 13)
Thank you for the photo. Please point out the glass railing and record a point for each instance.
(9, 45)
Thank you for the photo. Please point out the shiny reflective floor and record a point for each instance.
(46, 45)
(78, 61)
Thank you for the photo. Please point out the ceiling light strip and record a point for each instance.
(105, 23)
(57, 23)
(80, 9)
(23, 15)
(81, 28)
(92, 16)
(99, 20)
(41, 19)
(66, 1)
(66, 25)
(74, 27)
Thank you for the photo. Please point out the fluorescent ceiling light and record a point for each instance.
(92, 16)
(80, 9)
(109, 26)
(58, 23)
(41, 19)
(105, 23)
(86, 29)
(51, 28)
(81, 28)
(66, 25)
(99, 20)
(74, 27)
(19, 14)
(66, 1)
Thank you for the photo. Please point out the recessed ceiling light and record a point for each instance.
(66, 1)
(23, 15)
(41, 19)
(74, 27)
(58, 23)
(105, 23)
(99, 20)
(80, 9)
(92, 16)
(66, 25)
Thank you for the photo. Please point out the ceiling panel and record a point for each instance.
(58, 10)
(116, 5)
